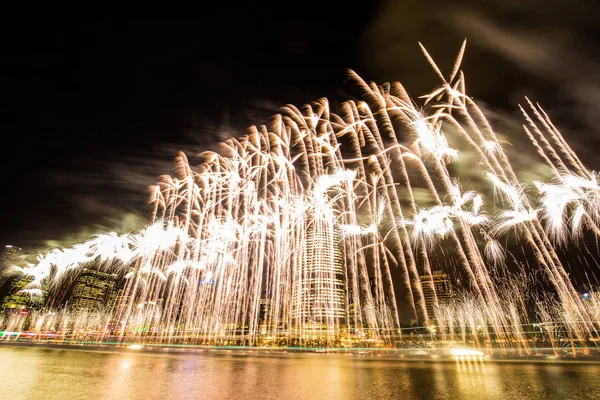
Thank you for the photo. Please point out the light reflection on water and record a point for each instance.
(38, 373)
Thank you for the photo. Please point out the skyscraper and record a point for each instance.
(436, 287)
(92, 290)
(15, 300)
(118, 303)
(319, 294)
(9, 255)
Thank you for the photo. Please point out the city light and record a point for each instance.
(290, 236)
(464, 353)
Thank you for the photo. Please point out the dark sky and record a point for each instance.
(94, 108)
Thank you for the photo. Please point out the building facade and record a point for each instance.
(15, 299)
(319, 293)
(10, 254)
(437, 289)
(92, 291)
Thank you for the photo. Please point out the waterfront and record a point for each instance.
(43, 373)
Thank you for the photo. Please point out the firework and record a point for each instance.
(291, 234)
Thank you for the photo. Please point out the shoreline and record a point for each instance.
(398, 355)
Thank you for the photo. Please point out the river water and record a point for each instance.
(41, 373)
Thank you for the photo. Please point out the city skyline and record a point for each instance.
(300, 226)
(283, 200)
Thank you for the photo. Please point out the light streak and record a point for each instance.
(315, 210)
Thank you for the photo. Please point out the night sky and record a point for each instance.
(94, 109)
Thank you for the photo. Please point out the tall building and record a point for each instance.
(92, 290)
(9, 255)
(15, 300)
(264, 310)
(319, 293)
(436, 286)
(118, 304)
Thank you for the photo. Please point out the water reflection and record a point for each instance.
(36, 373)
